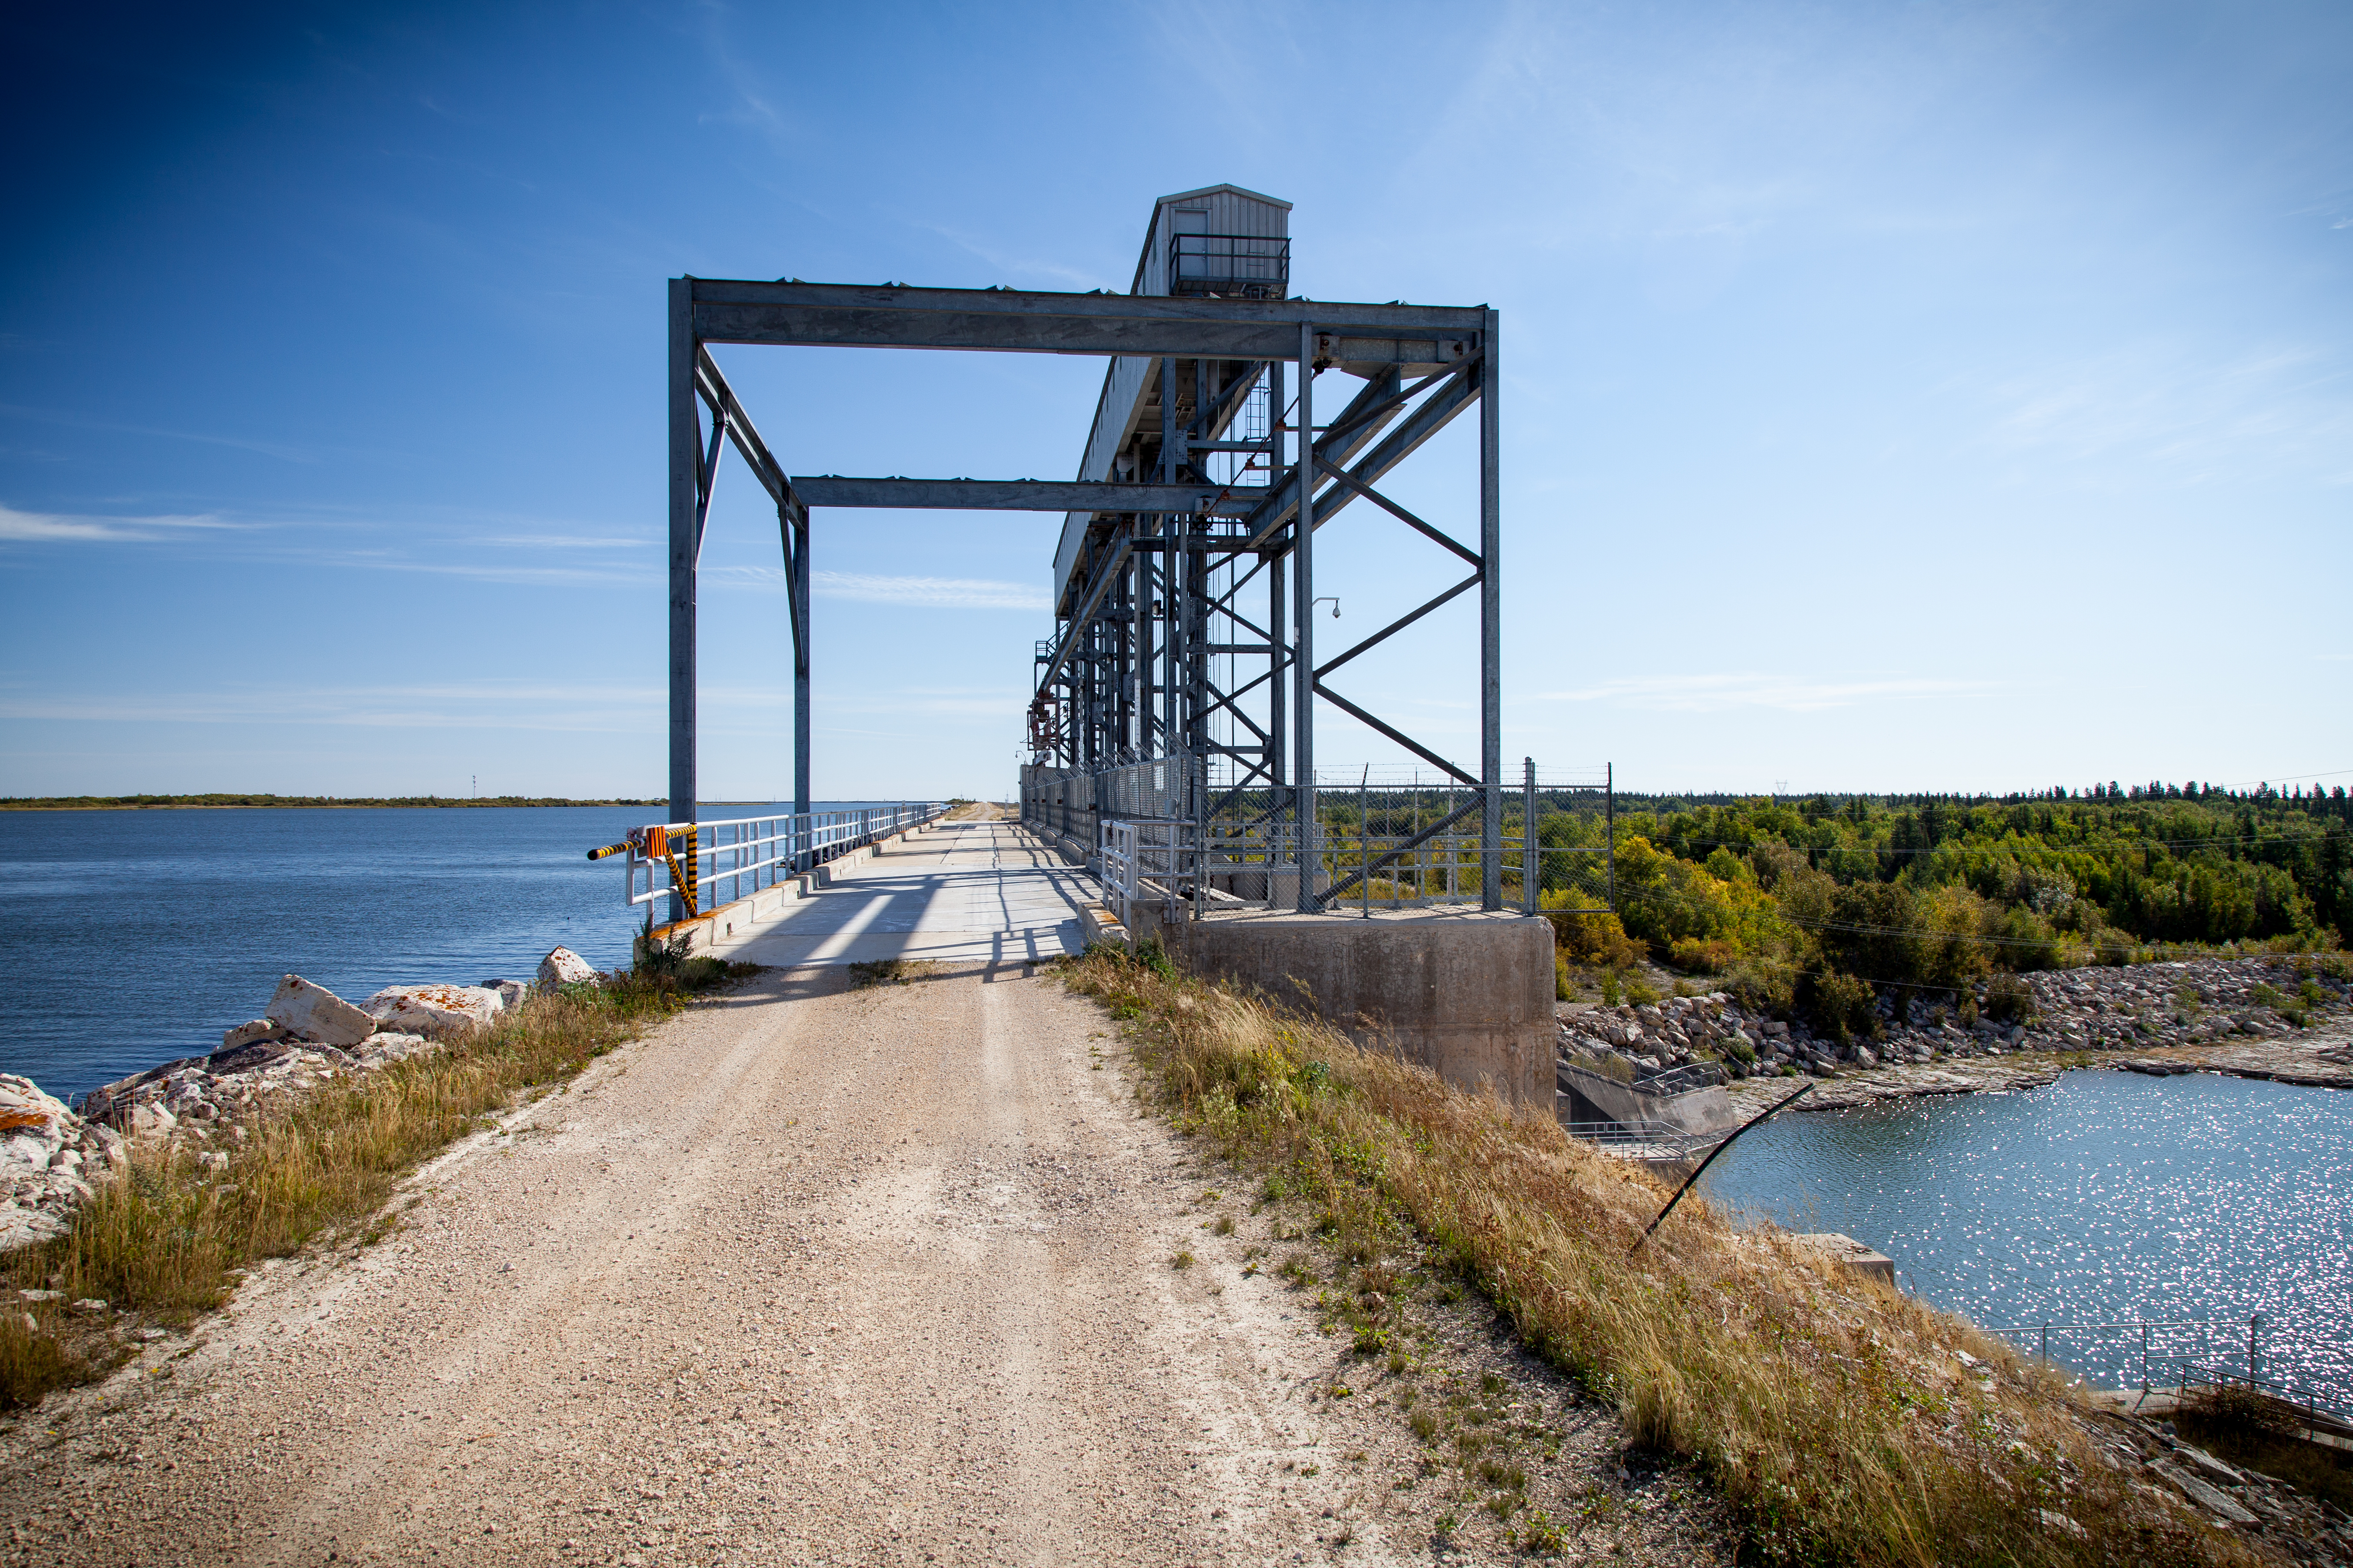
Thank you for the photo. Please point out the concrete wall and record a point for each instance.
(1467, 994)
(1694, 1110)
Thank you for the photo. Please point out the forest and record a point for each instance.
(1833, 905)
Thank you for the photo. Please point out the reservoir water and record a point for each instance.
(2108, 1196)
(128, 938)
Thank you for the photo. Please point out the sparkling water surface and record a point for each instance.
(2106, 1197)
(128, 938)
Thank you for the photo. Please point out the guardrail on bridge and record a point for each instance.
(668, 859)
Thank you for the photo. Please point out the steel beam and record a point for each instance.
(728, 410)
(1020, 495)
(849, 315)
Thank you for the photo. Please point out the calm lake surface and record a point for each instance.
(2108, 1196)
(128, 938)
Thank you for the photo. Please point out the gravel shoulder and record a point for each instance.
(820, 1275)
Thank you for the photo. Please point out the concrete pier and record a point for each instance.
(1466, 993)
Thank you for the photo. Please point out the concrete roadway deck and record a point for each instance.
(959, 892)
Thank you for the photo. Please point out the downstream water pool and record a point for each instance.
(128, 938)
(2108, 1196)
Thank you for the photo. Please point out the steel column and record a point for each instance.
(1491, 623)
(685, 505)
(797, 586)
(1302, 595)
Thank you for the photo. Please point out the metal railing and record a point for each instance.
(2147, 1329)
(685, 862)
(1642, 1140)
(2334, 1421)
(1140, 861)
(1236, 266)
(1617, 1072)
(2216, 1364)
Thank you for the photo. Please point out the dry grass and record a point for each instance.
(2257, 1433)
(1834, 1416)
(890, 971)
(164, 1240)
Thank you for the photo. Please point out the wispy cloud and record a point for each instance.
(2263, 412)
(1714, 693)
(485, 705)
(541, 560)
(593, 575)
(49, 528)
(569, 542)
(945, 592)
(961, 593)
(283, 451)
(1014, 266)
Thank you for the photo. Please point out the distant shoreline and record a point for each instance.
(301, 801)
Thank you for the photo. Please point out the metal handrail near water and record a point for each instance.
(2146, 1327)
(2200, 1369)
(668, 857)
(2337, 1421)
(1642, 1140)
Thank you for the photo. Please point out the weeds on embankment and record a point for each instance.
(163, 1240)
(2254, 1432)
(1844, 1422)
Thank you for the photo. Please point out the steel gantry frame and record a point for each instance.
(1422, 365)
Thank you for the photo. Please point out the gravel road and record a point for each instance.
(810, 1275)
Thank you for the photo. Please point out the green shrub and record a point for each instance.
(1840, 1006)
(2009, 999)
(1695, 956)
(1592, 941)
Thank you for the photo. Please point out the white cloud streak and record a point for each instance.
(489, 705)
(49, 528)
(943, 593)
(2282, 409)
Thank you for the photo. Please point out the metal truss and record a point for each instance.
(1162, 650)
(1171, 545)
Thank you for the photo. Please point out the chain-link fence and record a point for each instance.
(1365, 840)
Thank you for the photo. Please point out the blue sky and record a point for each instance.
(1895, 396)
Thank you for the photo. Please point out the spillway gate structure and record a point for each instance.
(1184, 583)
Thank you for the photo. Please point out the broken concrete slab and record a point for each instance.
(315, 1014)
(437, 1012)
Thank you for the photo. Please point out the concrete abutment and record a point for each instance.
(1466, 993)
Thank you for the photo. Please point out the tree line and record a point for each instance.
(1832, 904)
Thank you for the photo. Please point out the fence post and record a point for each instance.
(2255, 1333)
(1609, 827)
(1528, 837)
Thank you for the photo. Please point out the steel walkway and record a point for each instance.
(959, 892)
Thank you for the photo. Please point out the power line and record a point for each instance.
(2056, 939)
(2214, 842)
